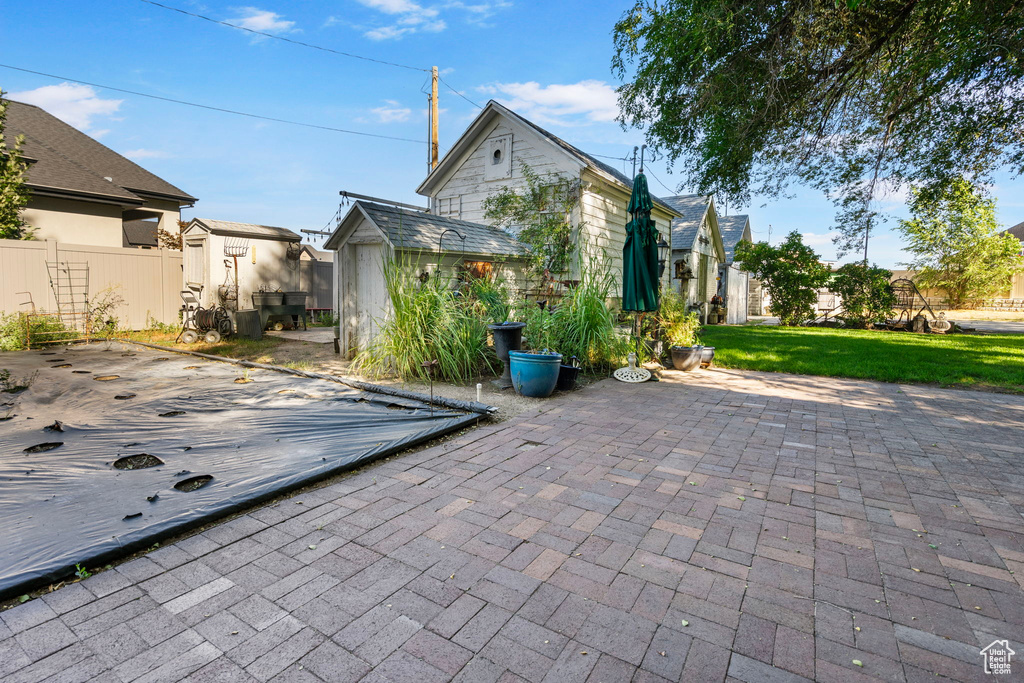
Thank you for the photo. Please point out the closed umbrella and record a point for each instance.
(639, 268)
(640, 253)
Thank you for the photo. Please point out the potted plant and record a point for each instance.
(535, 373)
(679, 330)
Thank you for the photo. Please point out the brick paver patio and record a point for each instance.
(721, 525)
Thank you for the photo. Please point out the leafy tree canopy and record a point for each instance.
(13, 193)
(791, 273)
(956, 243)
(748, 95)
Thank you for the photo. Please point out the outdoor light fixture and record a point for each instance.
(663, 250)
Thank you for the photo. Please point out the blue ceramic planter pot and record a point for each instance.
(534, 374)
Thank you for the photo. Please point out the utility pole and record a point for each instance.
(433, 118)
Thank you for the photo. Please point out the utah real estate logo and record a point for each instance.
(997, 657)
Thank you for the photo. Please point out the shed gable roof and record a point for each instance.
(732, 229)
(67, 159)
(248, 230)
(408, 229)
(492, 109)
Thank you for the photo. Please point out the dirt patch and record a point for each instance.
(193, 483)
(139, 461)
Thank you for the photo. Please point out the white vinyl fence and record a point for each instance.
(148, 280)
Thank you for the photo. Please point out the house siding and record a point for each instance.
(468, 187)
(604, 219)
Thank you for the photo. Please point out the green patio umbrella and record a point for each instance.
(640, 253)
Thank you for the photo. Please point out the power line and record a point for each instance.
(212, 108)
(669, 189)
(459, 93)
(277, 37)
(304, 44)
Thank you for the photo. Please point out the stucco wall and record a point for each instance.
(81, 222)
(66, 220)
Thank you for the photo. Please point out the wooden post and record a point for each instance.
(433, 118)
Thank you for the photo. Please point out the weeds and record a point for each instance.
(12, 385)
(427, 321)
(81, 572)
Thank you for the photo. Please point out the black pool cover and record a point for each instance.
(96, 465)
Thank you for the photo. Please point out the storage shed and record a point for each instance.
(267, 258)
(371, 232)
(735, 282)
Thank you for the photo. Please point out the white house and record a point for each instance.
(426, 244)
(490, 154)
(83, 192)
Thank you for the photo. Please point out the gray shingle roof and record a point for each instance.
(250, 230)
(421, 230)
(693, 207)
(69, 160)
(139, 233)
(731, 228)
(1017, 231)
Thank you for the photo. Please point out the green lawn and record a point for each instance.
(968, 361)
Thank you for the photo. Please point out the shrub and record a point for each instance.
(427, 321)
(47, 328)
(581, 324)
(679, 325)
(790, 272)
(866, 292)
(493, 297)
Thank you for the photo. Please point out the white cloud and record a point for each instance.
(141, 153)
(262, 20)
(392, 112)
(817, 239)
(75, 104)
(557, 103)
(406, 17)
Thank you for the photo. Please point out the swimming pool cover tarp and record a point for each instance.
(71, 504)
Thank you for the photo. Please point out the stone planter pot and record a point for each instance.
(686, 358)
(507, 337)
(706, 356)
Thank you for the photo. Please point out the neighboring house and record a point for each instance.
(734, 282)
(82, 192)
(697, 249)
(490, 154)
(267, 258)
(371, 233)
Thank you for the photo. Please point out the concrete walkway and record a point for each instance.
(754, 526)
(317, 335)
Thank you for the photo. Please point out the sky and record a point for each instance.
(549, 61)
